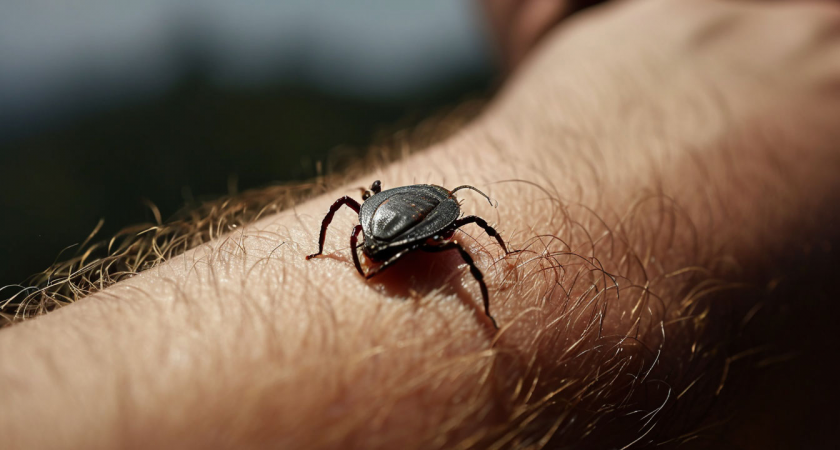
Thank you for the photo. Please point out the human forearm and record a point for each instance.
(630, 219)
(246, 336)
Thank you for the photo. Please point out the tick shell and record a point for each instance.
(397, 218)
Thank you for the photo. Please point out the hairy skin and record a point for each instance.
(651, 185)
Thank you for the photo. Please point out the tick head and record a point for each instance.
(375, 188)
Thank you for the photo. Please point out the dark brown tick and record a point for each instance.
(400, 220)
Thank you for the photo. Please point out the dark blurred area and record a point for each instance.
(104, 107)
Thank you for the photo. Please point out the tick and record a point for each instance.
(400, 220)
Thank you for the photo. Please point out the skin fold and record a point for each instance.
(657, 179)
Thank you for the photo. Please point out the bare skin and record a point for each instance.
(659, 174)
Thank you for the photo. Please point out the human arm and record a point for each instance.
(649, 162)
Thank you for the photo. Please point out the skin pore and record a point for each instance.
(653, 178)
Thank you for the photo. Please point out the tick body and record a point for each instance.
(397, 221)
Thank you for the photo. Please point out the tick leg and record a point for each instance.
(483, 224)
(328, 218)
(354, 238)
(454, 245)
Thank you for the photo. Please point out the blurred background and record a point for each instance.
(105, 106)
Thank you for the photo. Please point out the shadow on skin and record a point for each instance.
(419, 274)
